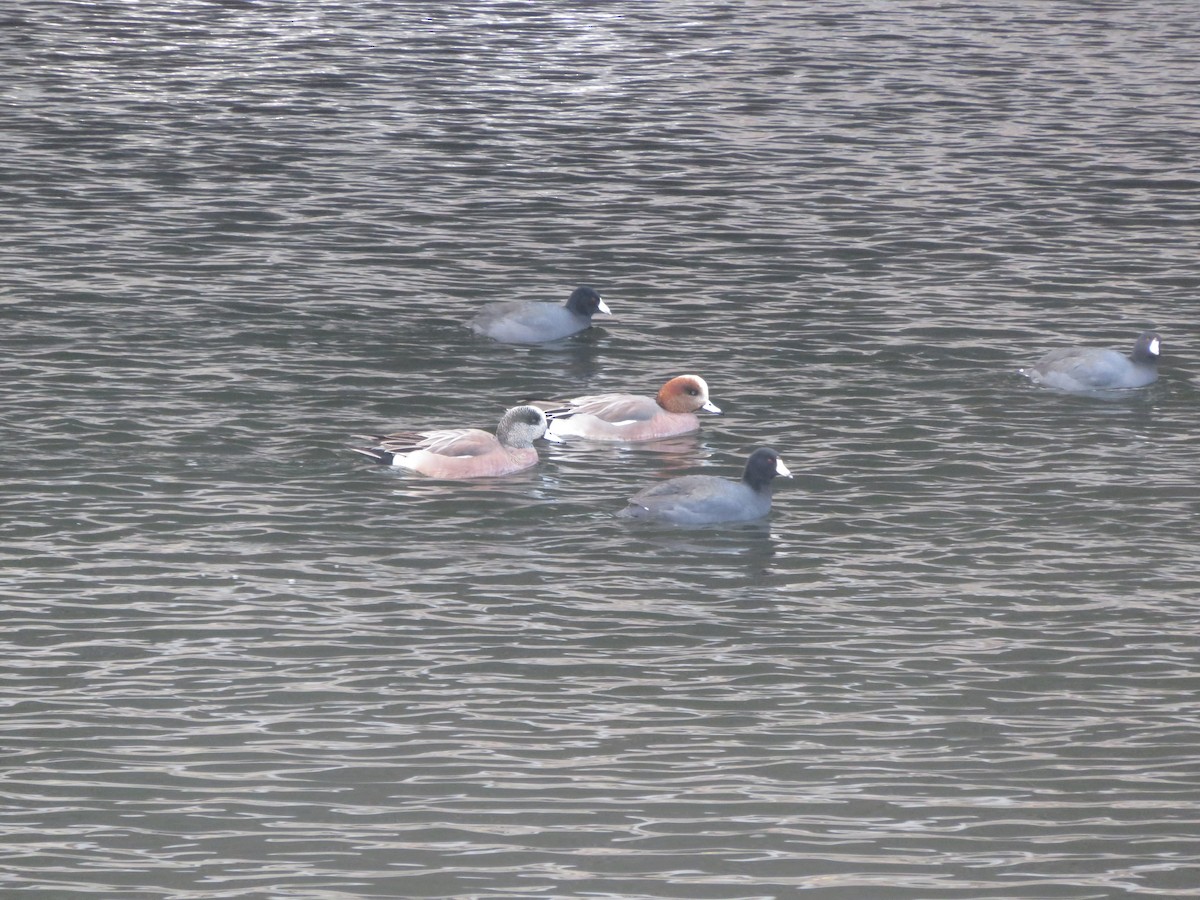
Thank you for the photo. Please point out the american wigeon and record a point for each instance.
(466, 452)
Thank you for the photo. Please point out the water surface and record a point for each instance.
(958, 661)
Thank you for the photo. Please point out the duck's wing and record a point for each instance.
(444, 442)
(614, 408)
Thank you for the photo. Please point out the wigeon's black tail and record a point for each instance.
(383, 457)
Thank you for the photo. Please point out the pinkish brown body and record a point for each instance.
(461, 453)
(630, 417)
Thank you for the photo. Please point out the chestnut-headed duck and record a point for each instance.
(466, 452)
(707, 499)
(531, 322)
(1083, 369)
(630, 417)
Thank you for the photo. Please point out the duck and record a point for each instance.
(708, 499)
(460, 453)
(1083, 369)
(632, 417)
(534, 322)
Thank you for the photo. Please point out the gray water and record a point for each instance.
(958, 661)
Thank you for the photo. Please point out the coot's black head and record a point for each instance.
(584, 301)
(763, 465)
(1147, 348)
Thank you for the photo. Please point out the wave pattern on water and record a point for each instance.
(959, 661)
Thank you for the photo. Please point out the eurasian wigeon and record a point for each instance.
(630, 417)
(1083, 369)
(466, 452)
(707, 499)
(529, 322)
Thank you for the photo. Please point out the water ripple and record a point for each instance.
(958, 661)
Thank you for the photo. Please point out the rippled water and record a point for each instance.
(959, 661)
